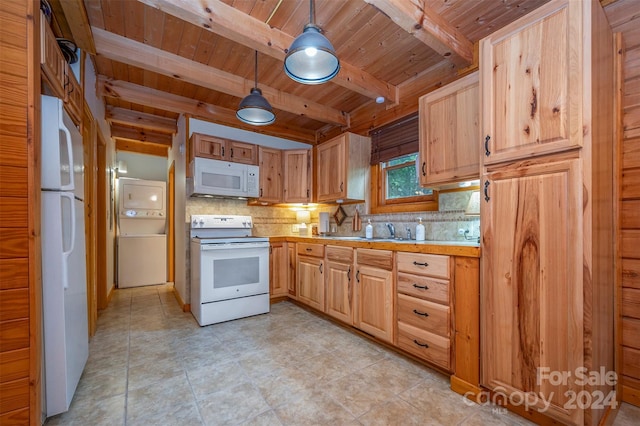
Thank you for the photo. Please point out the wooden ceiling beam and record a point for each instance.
(158, 99)
(140, 119)
(129, 133)
(77, 20)
(142, 147)
(235, 25)
(371, 115)
(416, 18)
(131, 52)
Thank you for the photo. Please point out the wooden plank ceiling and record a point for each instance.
(159, 58)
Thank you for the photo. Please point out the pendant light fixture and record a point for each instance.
(254, 109)
(311, 58)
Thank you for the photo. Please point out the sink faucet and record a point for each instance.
(392, 229)
(408, 233)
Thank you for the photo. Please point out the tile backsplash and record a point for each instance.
(441, 225)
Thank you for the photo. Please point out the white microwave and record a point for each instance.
(223, 179)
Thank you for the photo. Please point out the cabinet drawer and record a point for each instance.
(424, 314)
(382, 259)
(432, 265)
(425, 345)
(424, 287)
(306, 249)
(340, 254)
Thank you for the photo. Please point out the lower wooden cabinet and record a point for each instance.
(278, 270)
(310, 288)
(423, 307)
(291, 270)
(338, 283)
(373, 293)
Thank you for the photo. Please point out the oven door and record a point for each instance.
(233, 270)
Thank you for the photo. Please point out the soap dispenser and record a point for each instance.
(419, 230)
(368, 232)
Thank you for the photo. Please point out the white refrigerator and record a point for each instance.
(64, 278)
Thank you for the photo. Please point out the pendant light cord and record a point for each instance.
(255, 86)
(311, 12)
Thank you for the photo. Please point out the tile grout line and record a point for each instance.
(126, 389)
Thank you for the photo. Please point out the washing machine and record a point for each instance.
(142, 243)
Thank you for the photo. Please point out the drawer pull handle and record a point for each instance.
(358, 275)
(421, 287)
(424, 345)
(308, 249)
(423, 314)
(420, 263)
(349, 274)
(320, 268)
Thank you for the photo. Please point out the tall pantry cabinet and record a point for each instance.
(547, 217)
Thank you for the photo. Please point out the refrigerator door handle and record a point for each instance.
(67, 253)
(69, 140)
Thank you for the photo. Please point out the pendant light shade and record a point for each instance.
(311, 59)
(254, 109)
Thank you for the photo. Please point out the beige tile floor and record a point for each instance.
(151, 364)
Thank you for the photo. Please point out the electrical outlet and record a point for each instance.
(461, 231)
(295, 228)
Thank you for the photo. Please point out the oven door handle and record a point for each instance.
(207, 247)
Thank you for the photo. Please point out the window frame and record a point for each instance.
(380, 204)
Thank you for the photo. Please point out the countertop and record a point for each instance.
(451, 248)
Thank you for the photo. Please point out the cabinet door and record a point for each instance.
(297, 176)
(331, 173)
(373, 311)
(339, 291)
(270, 175)
(208, 146)
(310, 286)
(291, 270)
(531, 296)
(240, 152)
(531, 77)
(51, 59)
(74, 100)
(449, 133)
(278, 270)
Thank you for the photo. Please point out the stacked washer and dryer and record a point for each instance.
(142, 243)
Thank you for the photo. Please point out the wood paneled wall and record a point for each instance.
(20, 290)
(624, 17)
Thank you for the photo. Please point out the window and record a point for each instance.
(400, 178)
(394, 169)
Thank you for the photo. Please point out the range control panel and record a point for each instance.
(221, 222)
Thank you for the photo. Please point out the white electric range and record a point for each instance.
(229, 269)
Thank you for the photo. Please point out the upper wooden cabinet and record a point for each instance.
(298, 178)
(58, 74)
(51, 60)
(449, 133)
(223, 149)
(270, 175)
(531, 83)
(342, 171)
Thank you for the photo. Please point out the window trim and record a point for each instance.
(408, 204)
